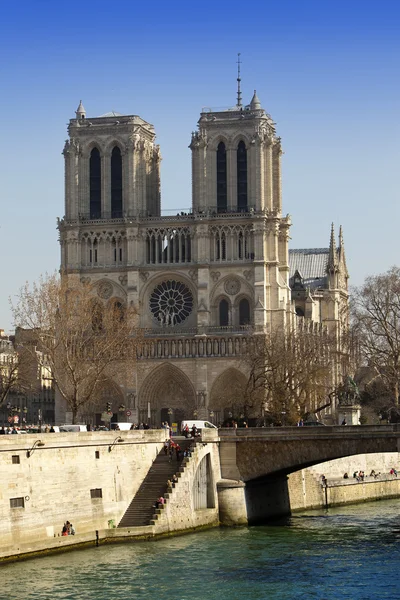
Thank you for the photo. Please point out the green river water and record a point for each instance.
(348, 553)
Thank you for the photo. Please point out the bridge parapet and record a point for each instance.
(323, 432)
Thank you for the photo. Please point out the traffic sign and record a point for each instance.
(128, 413)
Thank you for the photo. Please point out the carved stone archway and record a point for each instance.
(166, 387)
(227, 394)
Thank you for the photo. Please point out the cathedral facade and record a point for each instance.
(202, 281)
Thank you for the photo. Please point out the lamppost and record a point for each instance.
(170, 411)
(195, 414)
(211, 416)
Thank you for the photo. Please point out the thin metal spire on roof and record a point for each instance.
(239, 93)
(332, 258)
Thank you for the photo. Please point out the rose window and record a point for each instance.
(171, 302)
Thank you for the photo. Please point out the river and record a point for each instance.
(349, 552)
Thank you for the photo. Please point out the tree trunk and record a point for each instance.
(396, 393)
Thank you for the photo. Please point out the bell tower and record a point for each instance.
(112, 167)
(236, 160)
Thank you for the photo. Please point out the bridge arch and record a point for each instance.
(203, 485)
(166, 389)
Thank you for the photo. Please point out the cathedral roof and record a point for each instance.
(311, 264)
(111, 114)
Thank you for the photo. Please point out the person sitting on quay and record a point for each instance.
(174, 478)
(360, 476)
(393, 472)
(346, 476)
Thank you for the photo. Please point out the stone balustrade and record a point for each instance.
(198, 347)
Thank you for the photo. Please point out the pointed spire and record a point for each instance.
(342, 255)
(239, 93)
(80, 111)
(255, 103)
(332, 258)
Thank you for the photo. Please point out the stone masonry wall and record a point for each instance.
(55, 482)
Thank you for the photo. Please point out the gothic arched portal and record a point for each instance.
(166, 395)
(227, 395)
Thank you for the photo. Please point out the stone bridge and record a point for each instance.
(255, 462)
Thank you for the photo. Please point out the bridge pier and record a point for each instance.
(232, 502)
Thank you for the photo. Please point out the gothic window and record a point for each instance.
(222, 196)
(242, 246)
(221, 246)
(95, 184)
(299, 311)
(116, 183)
(223, 313)
(244, 312)
(118, 311)
(97, 317)
(242, 177)
(171, 302)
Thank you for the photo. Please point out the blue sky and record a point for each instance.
(327, 72)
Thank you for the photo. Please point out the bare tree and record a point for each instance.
(290, 372)
(84, 341)
(376, 316)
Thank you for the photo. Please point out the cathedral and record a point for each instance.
(201, 281)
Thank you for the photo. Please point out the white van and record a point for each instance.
(120, 426)
(72, 428)
(198, 424)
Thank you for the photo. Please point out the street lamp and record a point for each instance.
(37, 444)
(121, 408)
(211, 415)
(118, 440)
(195, 414)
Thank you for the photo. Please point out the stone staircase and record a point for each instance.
(141, 510)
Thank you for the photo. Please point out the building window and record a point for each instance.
(97, 317)
(220, 242)
(244, 312)
(116, 183)
(17, 502)
(223, 313)
(171, 302)
(299, 311)
(96, 493)
(97, 453)
(242, 177)
(222, 196)
(15, 459)
(95, 184)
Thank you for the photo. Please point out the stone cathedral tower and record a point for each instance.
(202, 280)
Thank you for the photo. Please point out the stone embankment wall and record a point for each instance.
(306, 491)
(87, 478)
(179, 512)
(90, 478)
